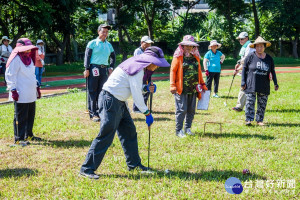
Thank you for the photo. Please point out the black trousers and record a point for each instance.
(25, 113)
(95, 84)
(213, 76)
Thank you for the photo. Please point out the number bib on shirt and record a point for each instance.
(95, 71)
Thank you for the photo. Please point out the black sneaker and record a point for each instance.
(33, 138)
(237, 109)
(139, 167)
(91, 175)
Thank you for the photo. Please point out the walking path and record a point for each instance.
(60, 84)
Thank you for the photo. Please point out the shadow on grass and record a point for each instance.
(67, 143)
(17, 172)
(230, 97)
(284, 124)
(235, 135)
(213, 175)
(173, 113)
(284, 110)
(163, 112)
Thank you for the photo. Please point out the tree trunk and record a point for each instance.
(69, 56)
(4, 28)
(18, 36)
(256, 21)
(280, 47)
(120, 35)
(75, 48)
(295, 45)
(60, 47)
(150, 29)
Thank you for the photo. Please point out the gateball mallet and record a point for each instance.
(86, 96)
(225, 103)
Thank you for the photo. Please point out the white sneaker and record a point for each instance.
(189, 132)
(180, 134)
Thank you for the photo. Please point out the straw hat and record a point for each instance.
(260, 40)
(214, 42)
(5, 38)
(189, 41)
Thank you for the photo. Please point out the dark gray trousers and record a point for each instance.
(185, 109)
(114, 116)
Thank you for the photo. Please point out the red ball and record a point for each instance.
(246, 171)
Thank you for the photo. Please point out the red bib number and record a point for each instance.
(95, 71)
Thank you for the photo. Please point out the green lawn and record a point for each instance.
(199, 165)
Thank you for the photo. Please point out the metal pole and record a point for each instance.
(229, 90)
(149, 129)
(17, 118)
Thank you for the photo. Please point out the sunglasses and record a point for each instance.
(241, 39)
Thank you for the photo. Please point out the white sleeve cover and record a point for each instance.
(136, 87)
(11, 74)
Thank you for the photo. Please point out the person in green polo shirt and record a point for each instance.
(98, 67)
(244, 52)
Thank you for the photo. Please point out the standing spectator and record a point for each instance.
(39, 65)
(244, 52)
(97, 69)
(5, 50)
(24, 89)
(125, 81)
(257, 73)
(185, 76)
(212, 65)
(145, 43)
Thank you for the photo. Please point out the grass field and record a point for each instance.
(199, 165)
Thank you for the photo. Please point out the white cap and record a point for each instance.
(242, 35)
(39, 41)
(146, 39)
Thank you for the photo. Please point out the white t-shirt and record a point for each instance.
(23, 79)
(122, 86)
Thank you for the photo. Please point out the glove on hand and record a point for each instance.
(38, 92)
(148, 87)
(206, 73)
(149, 119)
(15, 95)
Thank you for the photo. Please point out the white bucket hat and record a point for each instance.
(39, 41)
(5, 38)
(214, 42)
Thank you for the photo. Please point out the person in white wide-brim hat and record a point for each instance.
(212, 65)
(258, 72)
(5, 51)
